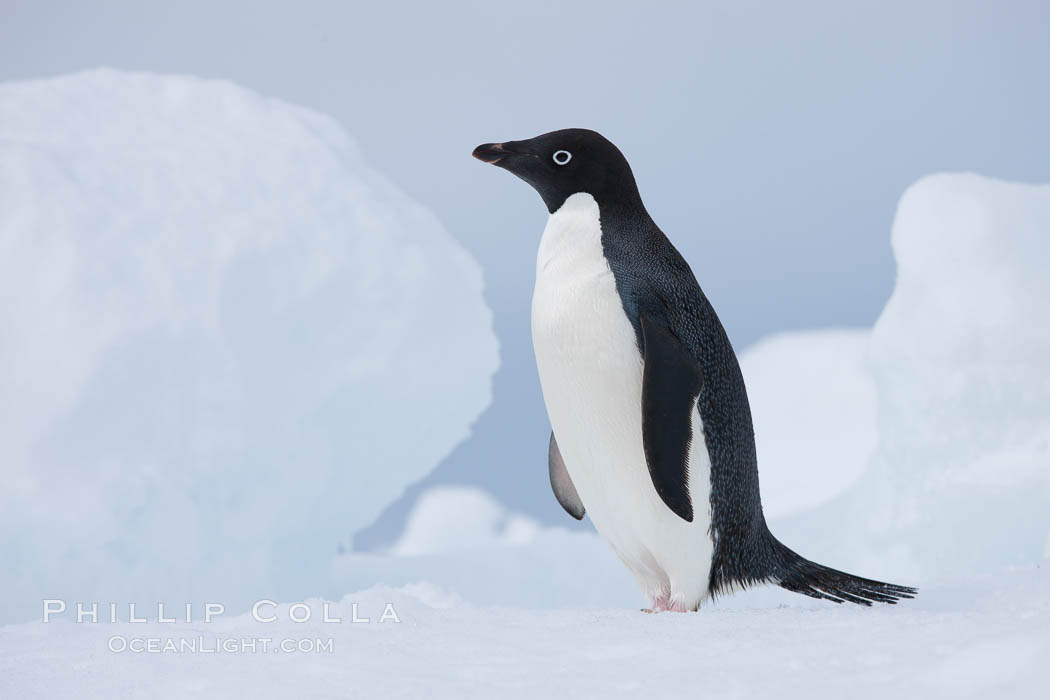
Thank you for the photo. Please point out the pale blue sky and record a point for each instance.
(770, 140)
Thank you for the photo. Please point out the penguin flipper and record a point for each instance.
(564, 489)
(671, 382)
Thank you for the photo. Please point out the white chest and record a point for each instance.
(590, 370)
(578, 321)
(589, 365)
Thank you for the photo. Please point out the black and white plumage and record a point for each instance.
(652, 433)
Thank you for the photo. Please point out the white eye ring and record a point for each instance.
(562, 157)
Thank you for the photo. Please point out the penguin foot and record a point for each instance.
(660, 603)
(665, 604)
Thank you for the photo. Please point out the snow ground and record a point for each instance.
(985, 637)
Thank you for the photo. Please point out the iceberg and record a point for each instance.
(813, 403)
(228, 343)
(960, 479)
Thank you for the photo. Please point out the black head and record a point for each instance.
(561, 163)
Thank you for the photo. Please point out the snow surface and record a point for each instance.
(981, 637)
(217, 323)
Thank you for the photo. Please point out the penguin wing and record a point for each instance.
(671, 382)
(564, 489)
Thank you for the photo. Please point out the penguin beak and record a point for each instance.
(519, 158)
(490, 153)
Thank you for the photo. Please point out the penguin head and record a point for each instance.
(562, 163)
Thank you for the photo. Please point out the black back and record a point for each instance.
(654, 280)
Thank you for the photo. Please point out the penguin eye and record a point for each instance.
(562, 157)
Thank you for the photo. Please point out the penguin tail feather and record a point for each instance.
(800, 575)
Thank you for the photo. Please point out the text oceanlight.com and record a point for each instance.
(120, 644)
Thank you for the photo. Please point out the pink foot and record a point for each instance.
(659, 605)
(665, 604)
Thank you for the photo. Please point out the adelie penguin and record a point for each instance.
(652, 432)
